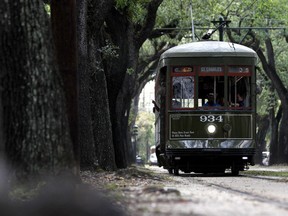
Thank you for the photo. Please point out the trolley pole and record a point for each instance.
(220, 28)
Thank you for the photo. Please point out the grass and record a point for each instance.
(24, 192)
(266, 173)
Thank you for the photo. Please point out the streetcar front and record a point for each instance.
(208, 122)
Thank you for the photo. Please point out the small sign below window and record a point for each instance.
(239, 70)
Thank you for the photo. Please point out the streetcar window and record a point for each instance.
(182, 92)
(239, 94)
(211, 91)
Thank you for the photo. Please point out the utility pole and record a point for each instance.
(192, 22)
(220, 27)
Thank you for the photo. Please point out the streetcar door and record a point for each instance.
(160, 104)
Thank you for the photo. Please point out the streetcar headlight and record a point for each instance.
(211, 129)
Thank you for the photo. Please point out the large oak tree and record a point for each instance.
(37, 138)
(122, 77)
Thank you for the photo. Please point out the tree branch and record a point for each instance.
(47, 1)
(97, 11)
(168, 29)
(270, 71)
(268, 65)
(270, 52)
(149, 63)
(149, 23)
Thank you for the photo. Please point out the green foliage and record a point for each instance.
(267, 173)
(241, 13)
(130, 71)
(269, 98)
(169, 10)
(47, 9)
(275, 11)
(146, 50)
(145, 122)
(26, 191)
(281, 56)
(136, 9)
(109, 51)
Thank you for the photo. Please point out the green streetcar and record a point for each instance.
(205, 104)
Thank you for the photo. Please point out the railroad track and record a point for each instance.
(261, 198)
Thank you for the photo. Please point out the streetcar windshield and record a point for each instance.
(213, 87)
(183, 92)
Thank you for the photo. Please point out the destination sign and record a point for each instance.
(211, 69)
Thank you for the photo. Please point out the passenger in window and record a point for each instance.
(211, 101)
(176, 103)
(221, 101)
(177, 92)
(239, 101)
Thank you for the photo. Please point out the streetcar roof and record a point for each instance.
(209, 49)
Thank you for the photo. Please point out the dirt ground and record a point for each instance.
(127, 187)
(152, 191)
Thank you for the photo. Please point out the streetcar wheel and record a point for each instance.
(222, 171)
(176, 171)
(235, 171)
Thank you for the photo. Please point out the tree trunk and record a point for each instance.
(35, 122)
(86, 137)
(122, 75)
(120, 126)
(274, 147)
(270, 70)
(102, 128)
(63, 16)
(268, 64)
(100, 110)
(283, 135)
(263, 126)
(132, 151)
(116, 74)
(2, 138)
(119, 84)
